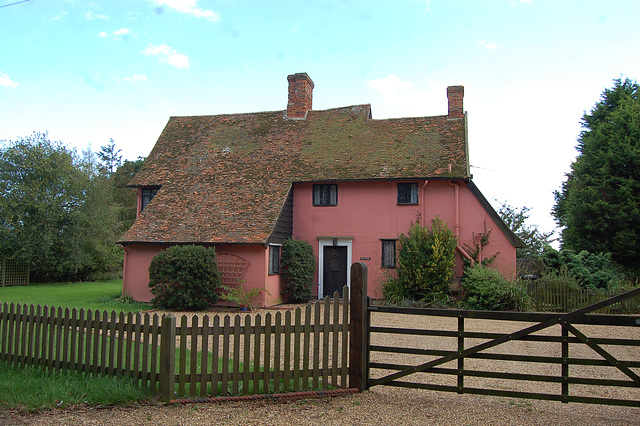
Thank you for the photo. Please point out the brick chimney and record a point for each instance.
(300, 95)
(454, 96)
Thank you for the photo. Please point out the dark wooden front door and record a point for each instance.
(334, 270)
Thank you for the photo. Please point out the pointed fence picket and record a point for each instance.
(289, 350)
(562, 298)
(300, 350)
(86, 341)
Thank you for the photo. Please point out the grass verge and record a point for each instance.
(33, 388)
(103, 295)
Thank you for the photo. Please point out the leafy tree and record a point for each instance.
(98, 221)
(536, 241)
(110, 157)
(599, 203)
(54, 211)
(125, 198)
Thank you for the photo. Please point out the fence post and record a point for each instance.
(358, 328)
(167, 357)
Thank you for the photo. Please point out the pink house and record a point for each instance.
(338, 179)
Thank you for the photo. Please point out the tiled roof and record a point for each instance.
(224, 178)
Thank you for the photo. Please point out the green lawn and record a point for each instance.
(34, 388)
(103, 295)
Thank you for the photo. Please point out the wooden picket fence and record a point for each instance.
(554, 298)
(305, 349)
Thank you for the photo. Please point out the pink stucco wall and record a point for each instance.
(367, 212)
(135, 276)
(138, 257)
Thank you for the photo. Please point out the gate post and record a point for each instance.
(358, 328)
(167, 357)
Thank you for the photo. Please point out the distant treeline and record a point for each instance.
(62, 211)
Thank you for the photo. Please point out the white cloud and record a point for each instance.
(168, 55)
(490, 46)
(59, 16)
(136, 78)
(122, 31)
(403, 99)
(390, 86)
(118, 34)
(90, 16)
(190, 7)
(6, 81)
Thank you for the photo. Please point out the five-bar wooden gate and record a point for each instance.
(572, 357)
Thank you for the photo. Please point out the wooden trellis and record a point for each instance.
(13, 272)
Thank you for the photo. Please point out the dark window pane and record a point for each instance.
(407, 193)
(274, 260)
(325, 195)
(147, 196)
(388, 253)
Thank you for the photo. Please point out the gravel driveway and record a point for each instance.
(389, 405)
(381, 405)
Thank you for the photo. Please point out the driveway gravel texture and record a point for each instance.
(392, 405)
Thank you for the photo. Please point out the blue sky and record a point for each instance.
(88, 71)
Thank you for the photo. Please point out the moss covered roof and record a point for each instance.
(225, 178)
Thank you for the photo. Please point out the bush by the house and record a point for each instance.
(591, 270)
(184, 278)
(425, 260)
(485, 289)
(392, 291)
(297, 265)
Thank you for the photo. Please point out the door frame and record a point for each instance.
(328, 241)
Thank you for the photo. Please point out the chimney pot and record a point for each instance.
(300, 95)
(455, 94)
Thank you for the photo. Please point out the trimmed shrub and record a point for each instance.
(297, 265)
(184, 278)
(426, 258)
(485, 289)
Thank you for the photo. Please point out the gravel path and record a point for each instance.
(381, 405)
(389, 405)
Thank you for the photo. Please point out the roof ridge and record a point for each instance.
(345, 108)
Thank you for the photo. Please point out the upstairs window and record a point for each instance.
(407, 193)
(274, 260)
(147, 196)
(388, 253)
(325, 195)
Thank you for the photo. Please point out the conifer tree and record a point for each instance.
(598, 206)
